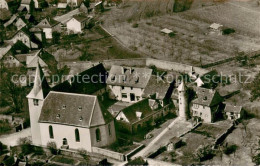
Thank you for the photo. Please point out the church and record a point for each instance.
(71, 120)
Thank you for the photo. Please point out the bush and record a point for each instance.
(5, 127)
(171, 35)
(26, 146)
(84, 154)
(256, 159)
(3, 148)
(52, 147)
(137, 161)
(205, 153)
(135, 25)
(228, 31)
(9, 161)
(230, 149)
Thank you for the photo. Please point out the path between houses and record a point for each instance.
(11, 139)
(176, 128)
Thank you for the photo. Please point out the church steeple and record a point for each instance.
(41, 87)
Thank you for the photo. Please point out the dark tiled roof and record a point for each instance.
(74, 109)
(141, 106)
(21, 58)
(47, 23)
(80, 18)
(155, 85)
(232, 108)
(207, 97)
(134, 77)
(81, 84)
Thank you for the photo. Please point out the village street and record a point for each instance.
(176, 128)
(11, 139)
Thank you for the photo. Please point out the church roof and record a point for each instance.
(74, 109)
(83, 84)
(41, 87)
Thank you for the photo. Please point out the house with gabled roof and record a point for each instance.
(20, 23)
(48, 25)
(233, 112)
(77, 23)
(128, 83)
(141, 115)
(206, 104)
(26, 38)
(86, 122)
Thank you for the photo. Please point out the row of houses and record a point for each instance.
(94, 123)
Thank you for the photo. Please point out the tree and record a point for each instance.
(205, 153)
(55, 38)
(52, 147)
(3, 148)
(11, 89)
(32, 7)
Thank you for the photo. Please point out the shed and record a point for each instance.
(233, 112)
(174, 143)
(166, 31)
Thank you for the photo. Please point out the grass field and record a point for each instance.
(191, 44)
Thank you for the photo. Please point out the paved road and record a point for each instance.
(176, 128)
(11, 139)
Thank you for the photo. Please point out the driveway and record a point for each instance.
(11, 139)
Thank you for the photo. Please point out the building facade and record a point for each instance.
(128, 83)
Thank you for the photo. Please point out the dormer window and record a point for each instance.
(205, 98)
(35, 102)
(80, 119)
(64, 107)
(137, 80)
(58, 116)
(80, 108)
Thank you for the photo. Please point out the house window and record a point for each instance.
(124, 95)
(195, 112)
(64, 106)
(132, 88)
(109, 129)
(51, 132)
(200, 113)
(137, 98)
(77, 137)
(98, 136)
(123, 87)
(35, 102)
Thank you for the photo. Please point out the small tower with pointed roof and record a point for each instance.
(183, 100)
(35, 100)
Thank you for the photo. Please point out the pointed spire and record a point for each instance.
(182, 87)
(41, 87)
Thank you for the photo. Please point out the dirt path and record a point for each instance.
(11, 139)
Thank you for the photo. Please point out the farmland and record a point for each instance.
(192, 43)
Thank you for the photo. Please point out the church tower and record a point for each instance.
(35, 100)
(183, 100)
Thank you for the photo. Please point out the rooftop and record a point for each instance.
(129, 76)
(207, 97)
(86, 110)
(232, 108)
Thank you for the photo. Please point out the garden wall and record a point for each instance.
(139, 62)
(108, 153)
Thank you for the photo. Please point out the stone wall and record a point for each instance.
(109, 153)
